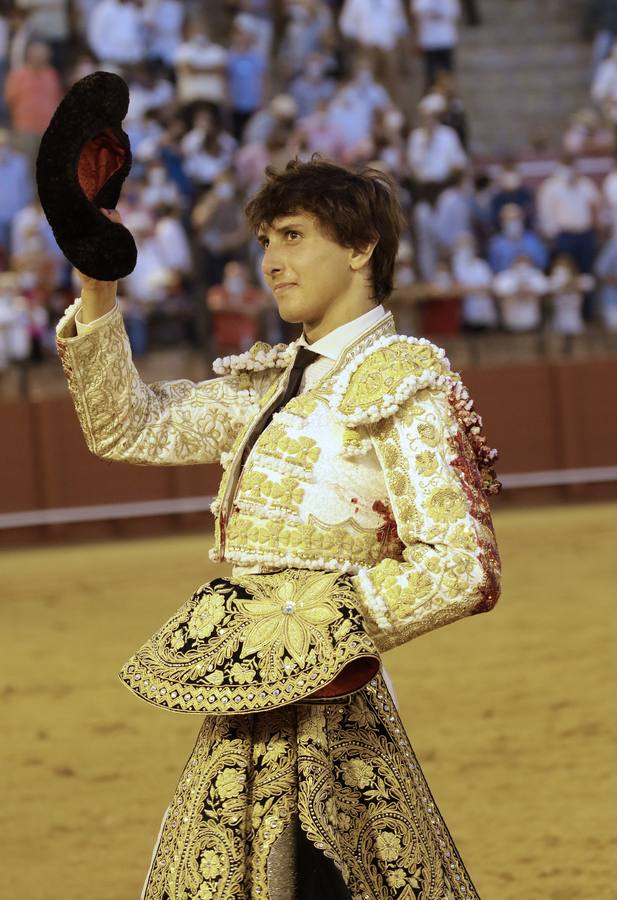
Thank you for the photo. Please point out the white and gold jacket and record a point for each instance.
(378, 469)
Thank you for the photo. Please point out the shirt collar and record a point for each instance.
(331, 345)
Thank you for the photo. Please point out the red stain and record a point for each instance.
(387, 533)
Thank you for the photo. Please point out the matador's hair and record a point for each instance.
(352, 208)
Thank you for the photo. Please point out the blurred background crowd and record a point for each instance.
(221, 89)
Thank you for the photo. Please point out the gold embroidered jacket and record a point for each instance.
(378, 470)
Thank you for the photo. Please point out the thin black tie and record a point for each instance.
(304, 357)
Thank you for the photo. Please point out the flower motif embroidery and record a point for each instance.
(291, 617)
(206, 616)
(446, 505)
(228, 784)
(210, 864)
(388, 846)
(357, 773)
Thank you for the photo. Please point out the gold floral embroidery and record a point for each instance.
(385, 369)
(350, 774)
(254, 643)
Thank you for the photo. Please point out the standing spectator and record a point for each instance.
(511, 190)
(454, 113)
(514, 240)
(519, 290)
(49, 21)
(377, 28)
(148, 90)
(5, 42)
(309, 27)
(171, 240)
(601, 22)
(256, 16)
(568, 214)
(354, 105)
(116, 32)
(567, 288)
(16, 190)
(474, 278)
(609, 195)
(208, 149)
(321, 132)
(437, 34)
(246, 74)
(235, 306)
(434, 151)
(221, 229)
(163, 21)
(604, 86)
(605, 270)
(312, 86)
(200, 69)
(32, 94)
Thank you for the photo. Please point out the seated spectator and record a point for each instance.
(377, 31)
(474, 279)
(435, 154)
(441, 314)
(515, 240)
(200, 69)
(510, 189)
(605, 270)
(312, 86)
(116, 32)
(235, 306)
(609, 196)
(246, 74)
(35, 254)
(32, 93)
(519, 290)
(436, 28)
(158, 187)
(16, 190)
(15, 340)
(567, 289)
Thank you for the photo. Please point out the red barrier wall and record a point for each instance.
(549, 416)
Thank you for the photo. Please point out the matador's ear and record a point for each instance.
(83, 159)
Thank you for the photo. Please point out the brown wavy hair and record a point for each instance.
(352, 208)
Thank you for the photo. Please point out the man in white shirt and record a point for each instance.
(569, 206)
(200, 68)
(116, 32)
(437, 34)
(434, 151)
(377, 28)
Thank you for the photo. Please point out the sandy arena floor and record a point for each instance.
(509, 713)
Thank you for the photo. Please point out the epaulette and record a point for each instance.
(258, 358)
(379, 380)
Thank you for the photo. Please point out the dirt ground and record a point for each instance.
(512, 714)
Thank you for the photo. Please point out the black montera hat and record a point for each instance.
(83, 160)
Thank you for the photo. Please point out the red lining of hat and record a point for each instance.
(99, 159)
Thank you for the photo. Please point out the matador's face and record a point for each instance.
(307, 271)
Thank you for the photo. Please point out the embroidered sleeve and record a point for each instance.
(164, 423)
(449, 564)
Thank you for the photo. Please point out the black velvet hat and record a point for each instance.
(83, 160)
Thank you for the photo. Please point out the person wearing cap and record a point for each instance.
(354, 509)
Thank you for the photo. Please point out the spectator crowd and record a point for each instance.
(220, 91)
